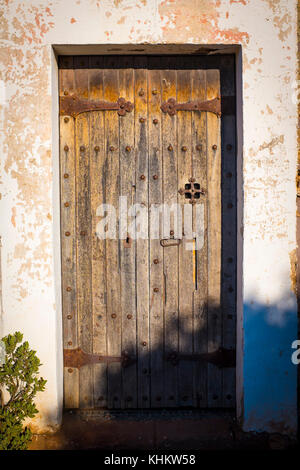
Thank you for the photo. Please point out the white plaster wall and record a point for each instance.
(266, 30)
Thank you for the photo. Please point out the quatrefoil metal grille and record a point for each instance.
(191, 191)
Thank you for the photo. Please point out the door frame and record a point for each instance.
(214, 53)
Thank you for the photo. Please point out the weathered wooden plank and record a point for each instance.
(170, 254)
(68, 243)
(186, 284)
(127, 246)
(142, 244)
(156, 250)
(112, 177)
(98, 256)
(214, 240)
(83, 235)
(199, 163)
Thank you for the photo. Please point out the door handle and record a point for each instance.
(165, 242)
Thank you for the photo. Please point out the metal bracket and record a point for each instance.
(222, 358)
(77, 358)
(72, 106)
(211, 106)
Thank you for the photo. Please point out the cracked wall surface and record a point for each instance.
(267, 32)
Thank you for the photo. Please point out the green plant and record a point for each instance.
(19, 378)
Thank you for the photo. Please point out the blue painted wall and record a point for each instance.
(270, 377)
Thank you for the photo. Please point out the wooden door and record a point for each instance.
(143, 324)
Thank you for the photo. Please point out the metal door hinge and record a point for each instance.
(221, 357)
(77, 358)
(73, 105)
(212, 106)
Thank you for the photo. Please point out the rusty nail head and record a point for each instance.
(156, 289)
(230, 205)
(155, 121)
(155, 177)
(141, 92)
(156, 261)
(154, 92)
(69, 343)
(67, 204)
(66, 92)
(214, 147)
(82, 148)
(70, 371)
(69, 317)
(66, 148)
(129, 316)
(229, 147)
(198, 147)
(142, 177)
(171, 233)
(113, 315)
(128, 148)
(111, 148)
(67, 234)
(66, 119)
(192, 180)
(66, 175)
(97, 148)
(69, 289)
(83, 233)
(144, 343)
(229, 175)
(184, 148)
(142, 119)
(170, 148)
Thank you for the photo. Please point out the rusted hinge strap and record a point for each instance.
(77, 358)
(72, 106)
(212, 106)
(221, 357)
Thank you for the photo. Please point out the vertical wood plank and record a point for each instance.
(186, 285)
(199, 164)
(68, 243)
(98, 256)
(127, 247)
(83, 234)
(112, 176)
(142, 245)
(156, 250)
(170, 254)
(214, 240)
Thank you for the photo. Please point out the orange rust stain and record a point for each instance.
(72, 20)
(121, 20)
(203, 21)
(243, 2)
(13, 216)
